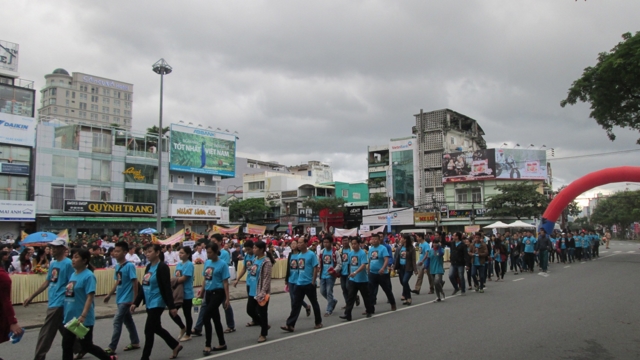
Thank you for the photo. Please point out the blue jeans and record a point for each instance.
(228, 316)
(405, 276)
(123, 315)
(326, 290)
(457, 271)
(478, 271)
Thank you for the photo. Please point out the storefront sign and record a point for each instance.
(460, 214)
(134, 173)
(105, 207)
(103, 82)
(472, 228)
(19, 169)
(379, 217)
(195, 211)
(11, 210)
(290, 194)
(424, 218)
(17, 130)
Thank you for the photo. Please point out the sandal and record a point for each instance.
(230, 330)
(262, 339)
(131, 347)
(287, 328)
(176, 351)
(250, 324)
(319, 326)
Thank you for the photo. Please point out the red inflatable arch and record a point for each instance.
(587, 182)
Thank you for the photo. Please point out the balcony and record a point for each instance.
(195, 188)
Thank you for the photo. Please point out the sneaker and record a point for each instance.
(454, 292)
(476, 288)
(482, 290)
(109, 351)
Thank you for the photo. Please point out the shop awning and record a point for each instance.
(66, 218)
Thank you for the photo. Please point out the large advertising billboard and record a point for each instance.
(17, 130)
(202, 151)
(468, 165)
(521, 164)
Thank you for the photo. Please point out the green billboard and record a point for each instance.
(202, 151)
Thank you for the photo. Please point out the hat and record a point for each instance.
(59, 242)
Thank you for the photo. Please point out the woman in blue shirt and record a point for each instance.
(156, 286)
(216, 290)
(184, 275)
(78, 303)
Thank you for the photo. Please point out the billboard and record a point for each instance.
(521, 164)
(9, 53)
(468, 166)
(12, 210)
(379, 217)
(17, 130)
(202, 151)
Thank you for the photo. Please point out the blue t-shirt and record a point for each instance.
(476, 257)
(356, 259)
(424, 249)
(293, 269)
(578, 241)
(215, 273)
(151, 289)
(248, 262)
(306, 263)
(403, 256)
(124, 275)
(553, 241)
(225, 257)
(254, 273)
(435, 261)
(186, 268)
(345, 262)
(327, 262)
(563, 243)
(376, 259)
(76, 293)
(529, 244)
(58, 276)
(586, 241)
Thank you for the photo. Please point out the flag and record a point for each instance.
(222, 230)
(23, 235)
(64, 234)
(256, 229)
(173, 239)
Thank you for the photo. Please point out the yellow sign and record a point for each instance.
(120, 208)
(471, 228)
(137, 174)
(421, 218)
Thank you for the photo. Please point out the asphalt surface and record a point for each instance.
(578, 311)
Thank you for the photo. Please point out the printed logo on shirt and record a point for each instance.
(354, 260)
(145, 279)
(301, 263)
(54, 275)
(178, 273)
(294, 264)
(254, 270)
(528, 242)
(403, 255)
(119, 277)
(326, 259)
(249, 263)
(374, 255)
(69, 289)
(208, 273)
(345, 257)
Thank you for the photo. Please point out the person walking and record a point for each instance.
(305, 286)
(184, 278)
(436, 259)
(458, 261)
(571, 248)
(478, 252)
(423, 264)
(607, 239)
(329, 259)
(500, 259)
(291, 277)
(529, 251)
(126, 290)
(358, 281)
(515, 246)
(78, 304)
(216, 292)
(157, 295)
(542, 246)
(378, 258)
(406, 265)
(58, 275)
(247, 261)
(262, 289)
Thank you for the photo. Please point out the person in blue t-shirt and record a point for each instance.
(247, 263)
(578, 241)
(436, 268)
(157, 294)
(586, 245)
(529, 243)
(58, 276)
(595, 244)
(329, 260)
(126, 289)
(291, 277)
(216, 293)
(305, 286)
(379, 259)
(423, 263)
(184, 272)
(78, 304)
(358, 281)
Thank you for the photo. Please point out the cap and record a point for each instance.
(59, 242)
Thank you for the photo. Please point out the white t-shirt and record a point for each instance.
(171, 258)
(132, 258)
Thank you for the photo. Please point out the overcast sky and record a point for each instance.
(303, 80)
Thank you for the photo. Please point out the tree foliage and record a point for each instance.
(249, 209)
(622, 208)
(521, 200)
(154, 130)
(581, 223)
(377, 200)
(612, 87)
(316, 205)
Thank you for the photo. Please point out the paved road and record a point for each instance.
(583, 311)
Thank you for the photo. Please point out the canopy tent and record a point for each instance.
(497, 225)
(520, 224)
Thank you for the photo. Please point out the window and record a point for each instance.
(55, 110)
(67, 93)
(66, 111)
(106, 91)
(101, 170)
(82, 114)
(52, 101)
(94, 90)
(140, 196)
(453, 140)
(94, 98)
(66, 102)
(116, 111)
(73, 95)
(60, 193)
(127, 105)
(14, 154)
(256, 185)
(64, 167)
(105, 109)
(94, 107)
(462, 196)
(105, 117)
(199, 180)
(345, 193)
(100, 193)
(83, 87)
(127, 113)
(476, 195)
(13, 187)
(116, 94)
(94, 116)
(128, 97)
(356, 196)
(116, 102)
(83, 96)
(102, 142)
(105, 100)
(116, 120)
(83, 106)
(53, 91)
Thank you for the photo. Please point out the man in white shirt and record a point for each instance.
(170, 256)
(132, 257)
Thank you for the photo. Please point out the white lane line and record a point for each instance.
(318, 330)
(606, 251)
(631, 252)
(584, 262)
(568, 266)
(518, 279)
(617, 252)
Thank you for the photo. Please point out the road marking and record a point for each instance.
(543, 274)
(518, 279)
(568, 266)
(606, 251)
(631, 252)
(584, 262)
(617, 252)
(318, 330)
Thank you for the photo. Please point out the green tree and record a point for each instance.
(377, 200)
(521, 200)
(612, 87)
(154, 130)
(248, 209)
(621, 208)
(334, 205)
(580, 224)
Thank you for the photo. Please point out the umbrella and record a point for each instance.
(521, 224)
(148, 231)
(497, 225)
(39, 237)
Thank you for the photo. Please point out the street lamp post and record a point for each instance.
(161, 68)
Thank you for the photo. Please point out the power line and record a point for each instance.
(594, 155)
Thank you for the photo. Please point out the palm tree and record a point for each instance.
(154, 130)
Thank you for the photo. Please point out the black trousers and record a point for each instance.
(384, 281)
(153, 327)
(251, 309)
(529, 259)
(261, 314)
(69, 338)
(501, 269)
(363, 288)
(214, 298)
(310, 292)
(186, 310)
(344, 285)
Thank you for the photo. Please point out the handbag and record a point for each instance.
(333, 272)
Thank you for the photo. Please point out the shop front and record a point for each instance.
(16, 216)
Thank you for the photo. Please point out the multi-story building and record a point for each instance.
(17, 139)
(86, 99)
(232, 187)
(378, 161)
(438, 132)
(318, 171)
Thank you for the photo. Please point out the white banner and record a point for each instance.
(195, 211)
(364, 228)
(345, 232)
(18, 130)
(379, 217)
(11, 210)
(189, 243)
(379, 229)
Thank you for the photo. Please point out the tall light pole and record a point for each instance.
(161, 68)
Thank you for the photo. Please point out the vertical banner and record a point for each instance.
(388, 223)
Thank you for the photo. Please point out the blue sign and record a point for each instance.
(389, 223)
(20, 169)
